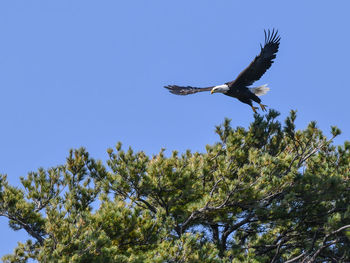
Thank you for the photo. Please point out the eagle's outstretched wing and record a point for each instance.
(179, 90)
(261, 63)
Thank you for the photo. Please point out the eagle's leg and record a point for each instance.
(263, 107)
(254, 108)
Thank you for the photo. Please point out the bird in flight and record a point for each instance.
(240, 87)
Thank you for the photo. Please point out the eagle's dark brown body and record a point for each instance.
(239, 88)
(244, 95)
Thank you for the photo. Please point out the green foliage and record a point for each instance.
(268, 193)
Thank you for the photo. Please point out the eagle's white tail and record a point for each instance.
(261, 90)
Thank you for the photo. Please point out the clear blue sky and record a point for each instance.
(90, 73)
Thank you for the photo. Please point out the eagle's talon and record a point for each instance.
(254, 109)
(263, 107)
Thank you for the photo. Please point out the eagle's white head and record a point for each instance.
(221, 88)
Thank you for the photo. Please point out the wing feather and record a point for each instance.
(261, 63)
(181, 90)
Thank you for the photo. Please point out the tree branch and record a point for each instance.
(295, 258)
(26, 227)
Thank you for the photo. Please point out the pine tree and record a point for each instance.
(268, 193)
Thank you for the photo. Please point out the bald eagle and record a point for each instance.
(240, 87)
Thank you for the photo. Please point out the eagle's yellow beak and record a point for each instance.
(212, 91)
